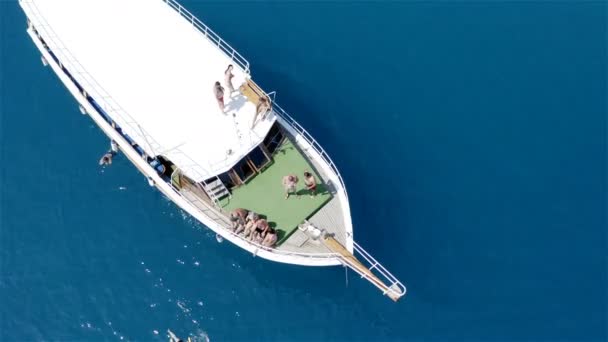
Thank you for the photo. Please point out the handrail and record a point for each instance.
(313, 143)
(212, 36)
(99, 94)
(396, 288)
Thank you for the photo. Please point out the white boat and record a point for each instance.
(144, 71)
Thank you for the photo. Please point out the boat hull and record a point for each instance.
(165, 188)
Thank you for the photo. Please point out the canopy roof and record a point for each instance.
(154, 71)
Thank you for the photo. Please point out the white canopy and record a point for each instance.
(154, 72)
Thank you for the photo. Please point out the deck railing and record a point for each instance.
(310, 140)
(394, 286)
(212, 36)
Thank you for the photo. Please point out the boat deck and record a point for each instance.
(329, 218)
(264, 193)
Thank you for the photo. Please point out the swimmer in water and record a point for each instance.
(173, 338)
(106, 159)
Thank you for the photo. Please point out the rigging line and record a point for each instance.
(172, 148)
(346, 275)
(146, 139)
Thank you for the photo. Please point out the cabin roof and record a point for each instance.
(153, 72)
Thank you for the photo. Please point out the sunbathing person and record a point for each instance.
(271, 238)
(252, 216)
(251, 220)
(289, 184)
(257, 237)
(237, 219)
(258, 233)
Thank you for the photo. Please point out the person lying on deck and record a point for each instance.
(270, 239)
(237, 219)
(252, 216)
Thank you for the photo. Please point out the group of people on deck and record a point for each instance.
(290, 182)
(218, 90)
(253, 227)
(262, 105)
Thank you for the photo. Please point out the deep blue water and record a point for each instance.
(472, 139)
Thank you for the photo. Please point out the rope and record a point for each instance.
(346, 275)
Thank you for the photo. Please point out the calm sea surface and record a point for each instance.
(471, 136)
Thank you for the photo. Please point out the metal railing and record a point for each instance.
(212, 36)
(310, 140)
(395, 286)
(101, 96)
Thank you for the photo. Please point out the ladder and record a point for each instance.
(375, 273)
(215, 189)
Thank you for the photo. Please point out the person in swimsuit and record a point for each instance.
(271, 238)
(228, 78)
(218, 91)
(311, 183)
(261, 108)
(259, 233)
(174, 338)
(250, 222)
(106, 159)
(289, 184)
(237, 219)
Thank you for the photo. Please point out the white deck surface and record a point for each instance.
(160, 70)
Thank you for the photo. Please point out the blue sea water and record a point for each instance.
(472, 139)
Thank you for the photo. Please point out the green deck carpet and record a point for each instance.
(264, 193)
